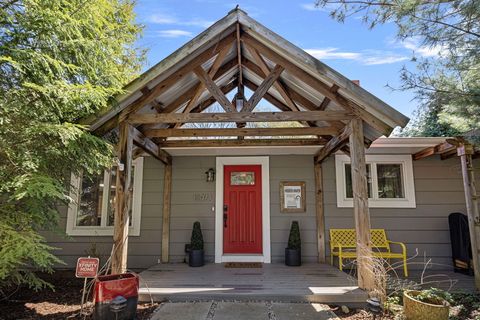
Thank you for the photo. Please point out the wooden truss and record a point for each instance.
(166, 104)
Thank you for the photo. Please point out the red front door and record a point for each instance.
(242, 209)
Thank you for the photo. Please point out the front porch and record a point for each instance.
(311, 282)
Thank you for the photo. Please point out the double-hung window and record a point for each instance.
(91, 212)
(389, 178)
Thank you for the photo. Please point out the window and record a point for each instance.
(389, 177)
(91, 212)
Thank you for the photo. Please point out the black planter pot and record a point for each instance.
(196, 258)
(293, 257)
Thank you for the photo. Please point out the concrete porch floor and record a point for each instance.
(311, 282)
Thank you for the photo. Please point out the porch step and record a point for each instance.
(355, 298)
(318, 283)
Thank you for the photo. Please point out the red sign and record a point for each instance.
(87, 267)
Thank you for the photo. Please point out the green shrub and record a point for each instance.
(294, 241)
(434, 296)
(197, 237)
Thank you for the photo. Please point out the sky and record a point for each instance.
(375, 57)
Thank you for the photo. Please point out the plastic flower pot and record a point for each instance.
(293, 257)
(196, 258)
(418, 310)
(116, 296)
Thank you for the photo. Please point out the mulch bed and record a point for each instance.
(63, 303)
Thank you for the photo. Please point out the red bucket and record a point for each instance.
(109, 291)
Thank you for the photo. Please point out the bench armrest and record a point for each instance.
(401, 244)
(339, 246)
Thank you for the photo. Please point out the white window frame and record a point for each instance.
(375, 202)
(103, 229)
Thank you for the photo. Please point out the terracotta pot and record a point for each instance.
(419, 310)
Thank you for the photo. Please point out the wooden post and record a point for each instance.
(320, 212)
(123, 196)
(360, 206)
(167, 191)
(465, 152)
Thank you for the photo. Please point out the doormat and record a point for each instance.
(243, 265)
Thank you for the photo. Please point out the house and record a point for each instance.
(353, 176)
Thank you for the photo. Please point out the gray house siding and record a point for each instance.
(424, 229)
(439, 191)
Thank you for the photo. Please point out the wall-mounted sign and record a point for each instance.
(292, 196)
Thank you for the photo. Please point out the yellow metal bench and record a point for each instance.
(343, 244)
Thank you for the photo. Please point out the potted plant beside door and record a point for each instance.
(196, 254)
(293, 253)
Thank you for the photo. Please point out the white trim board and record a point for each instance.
(265, 257)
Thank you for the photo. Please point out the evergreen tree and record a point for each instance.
(448, 84)
(60, 61)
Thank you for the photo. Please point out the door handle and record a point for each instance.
(225, 215)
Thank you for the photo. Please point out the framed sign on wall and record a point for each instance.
(292, 196)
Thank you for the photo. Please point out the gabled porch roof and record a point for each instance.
(237, 52)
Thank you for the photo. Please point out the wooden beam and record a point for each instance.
(326, 101)
(235, 132)
(150, 147)
(335, 143)
(239, 116)
(206, 143)
(423, 153)
(465, 151)
(263, 88)
(189, 93)
(365, 272)
(440, 148)
(123, 197)
(239, 56)
(214, 89)
(211, 100)
(164, 85)
(304, 102)
(211, 73)
(318, 85)
(277, 103)
(167, 195)
(264, 69)
(320, 214)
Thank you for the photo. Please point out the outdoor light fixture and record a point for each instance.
(239, 101)
(210, 175)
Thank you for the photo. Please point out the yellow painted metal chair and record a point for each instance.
(343, 244)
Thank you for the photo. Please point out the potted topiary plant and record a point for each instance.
(196, 254)
(429, 304)
(293, 253)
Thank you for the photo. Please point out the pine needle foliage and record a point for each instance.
(445, 36)
(60, 61)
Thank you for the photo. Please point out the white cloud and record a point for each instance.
(366, 57)
(197, 23)
(427, 52)
(161, 18)
(333, 53)
(173, 33)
